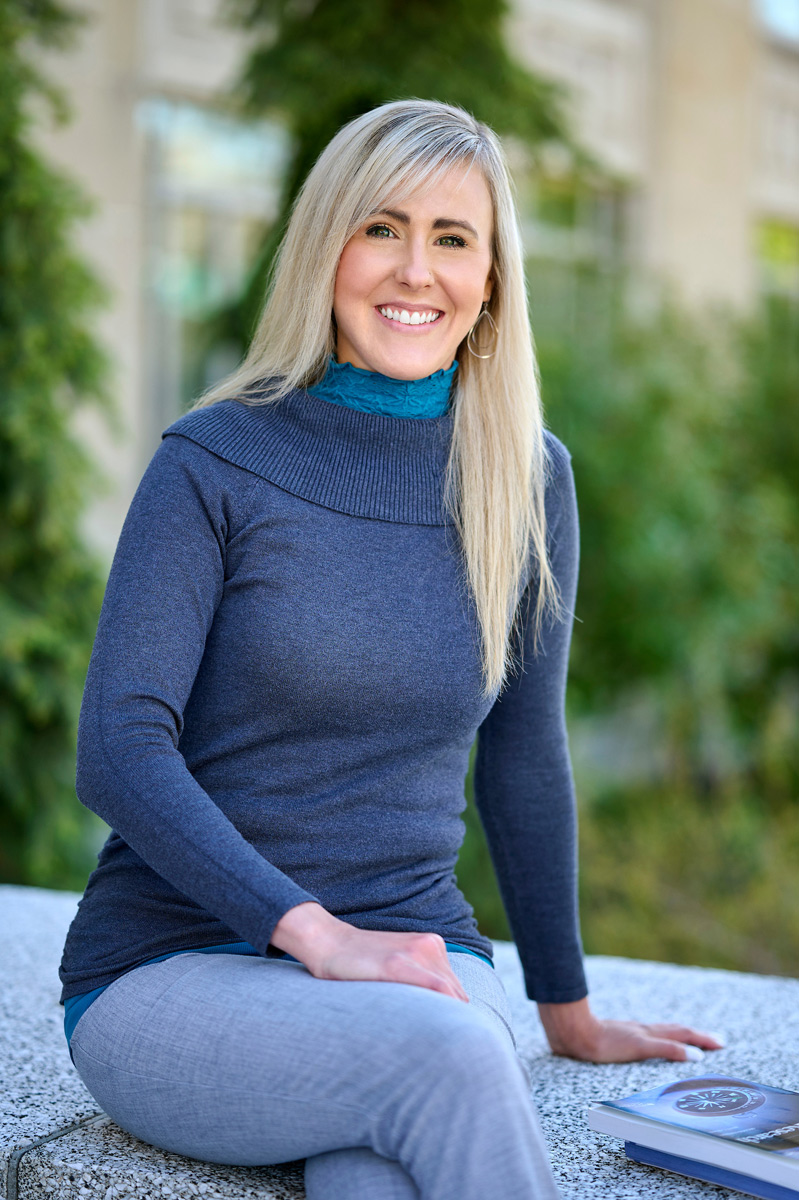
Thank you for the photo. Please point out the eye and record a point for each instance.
(452, 239)
(379, 231)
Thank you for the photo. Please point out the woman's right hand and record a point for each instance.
(333, 949)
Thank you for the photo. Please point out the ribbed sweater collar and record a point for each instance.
(361, 463)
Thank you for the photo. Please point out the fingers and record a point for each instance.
(692, 1037)
(458, 989)
(439, 978)
(450, 986)
(435, 945)
(416, 958)
(424, 963)
(631, 1041)
(673, 1051)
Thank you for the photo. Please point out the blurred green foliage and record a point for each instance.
(685, 438)
(50, 587)
(681, 877)
(684, 434)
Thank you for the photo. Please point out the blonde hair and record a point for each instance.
(496, 470)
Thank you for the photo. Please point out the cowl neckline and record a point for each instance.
(361, 463)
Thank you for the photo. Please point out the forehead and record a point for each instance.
(461, 192)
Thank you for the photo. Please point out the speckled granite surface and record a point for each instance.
(42, 1094)
(756, 1015)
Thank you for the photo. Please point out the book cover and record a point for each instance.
(738, 1109)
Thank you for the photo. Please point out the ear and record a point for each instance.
(489, 288)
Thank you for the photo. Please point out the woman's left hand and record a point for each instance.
(573, 1030)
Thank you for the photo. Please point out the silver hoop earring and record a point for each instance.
(483, 313)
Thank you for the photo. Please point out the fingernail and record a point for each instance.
(718, 1037)
(693, 1053)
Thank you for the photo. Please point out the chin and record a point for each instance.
(408, 373)
(399, 362)
(404, 369)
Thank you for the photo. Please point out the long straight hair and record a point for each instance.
(497, 465)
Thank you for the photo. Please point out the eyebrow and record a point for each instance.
(439, 223)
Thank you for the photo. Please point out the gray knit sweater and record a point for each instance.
(284, 690)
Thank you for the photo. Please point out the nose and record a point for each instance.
(414, 268)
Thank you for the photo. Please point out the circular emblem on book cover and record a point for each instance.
(718, 1101)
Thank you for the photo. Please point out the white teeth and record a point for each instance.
(410, 318)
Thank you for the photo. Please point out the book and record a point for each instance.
(724, 1130)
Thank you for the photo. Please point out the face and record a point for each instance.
(411, 281)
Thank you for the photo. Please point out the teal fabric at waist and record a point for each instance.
(76, 1006)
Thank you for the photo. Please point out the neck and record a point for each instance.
(369, 391)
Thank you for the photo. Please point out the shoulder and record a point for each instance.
(206, 425)
(187, 467)
(251, 437)
(558, 457)
(560, 498)
(559, 494)
(217, 440)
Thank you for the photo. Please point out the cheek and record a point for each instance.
(341, 288)
(472, 282)
(355, 274)
(471, 292)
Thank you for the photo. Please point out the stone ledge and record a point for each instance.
(44, 1154)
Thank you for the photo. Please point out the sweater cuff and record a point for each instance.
(291, 896)
(546, 995)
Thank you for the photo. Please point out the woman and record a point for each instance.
(313, 609)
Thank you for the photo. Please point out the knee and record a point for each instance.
(453, 1075)
(356, 1171)
(466, 1054)
(477, 1054)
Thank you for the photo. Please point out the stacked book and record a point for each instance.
(734, 1132)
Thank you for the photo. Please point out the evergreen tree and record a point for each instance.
(50, 588)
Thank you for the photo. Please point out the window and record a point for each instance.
(578, 237)
(213, 191)
(781, 17)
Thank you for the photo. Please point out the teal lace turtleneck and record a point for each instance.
(369, 391)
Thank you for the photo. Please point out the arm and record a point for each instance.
(523, 782)
(165, 585)
(525, 795)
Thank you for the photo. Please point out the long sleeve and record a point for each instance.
(166, 582)
(523, 781)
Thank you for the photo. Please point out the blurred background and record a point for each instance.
(148, 152)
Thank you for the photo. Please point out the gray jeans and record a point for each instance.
(389, 1091)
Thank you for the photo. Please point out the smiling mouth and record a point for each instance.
(404, 317)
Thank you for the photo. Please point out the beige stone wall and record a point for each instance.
(774, 185)
(128, 50)
(702, 152)
(100, 149)
(696, 106)
(602, 51)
